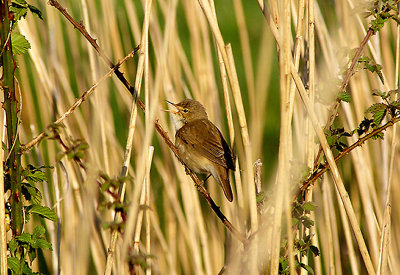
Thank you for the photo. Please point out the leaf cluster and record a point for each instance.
(382, 11)
(23, 248)
(26, 244)
(335, 138)
(20, 9)
(302, 242)
(367, 63)
(76, 151)
(389, 105)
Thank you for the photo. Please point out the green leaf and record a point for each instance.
(12, 246)
(378, 135)
(378, 111)
(34, 174)
(19, 8)
(35, 11)
(308, 268)
(14, 265)
(32, 253)
(306, 221)
(40, 243)
(26, 270)
(344, 96)
(260, 197)
(44, 212)
(309, 206)
(19, 43)
(376, 108)
(379, 116)
(38, 231)
(24, 237)
(379, 93)
(370, 65)
(31, 193)
(21, 3)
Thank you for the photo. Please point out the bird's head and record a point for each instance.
(186, 111)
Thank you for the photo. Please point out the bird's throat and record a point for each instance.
(177, 121)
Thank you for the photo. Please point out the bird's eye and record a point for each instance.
(185, 110)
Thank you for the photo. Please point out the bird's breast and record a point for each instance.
(196, 162)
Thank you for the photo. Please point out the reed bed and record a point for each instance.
(268, 74)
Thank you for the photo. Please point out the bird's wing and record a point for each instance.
(208, 142)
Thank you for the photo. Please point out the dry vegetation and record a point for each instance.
(247, 90)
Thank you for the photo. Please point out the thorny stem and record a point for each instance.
(11, 108)
(332, 114)
(160, 130)
(349, 72)
(309, 182)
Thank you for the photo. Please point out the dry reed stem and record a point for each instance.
(227, 102)
(285, 132)
(233, 79)
(394, 141)
(311, 79)
(132, 125)
(349, 72)
(145, 203)
(348, 236)
(159, 129)
(385, 240)
(97, 99)
(335, 173)
(297, 46)
(330, 258)
(228, 108)
(286, 138)
(76, 104)
(3, 240)
(148, 221)
(296, 51)
(246, 51)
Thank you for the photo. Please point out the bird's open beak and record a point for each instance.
(169, 102)
(171, 111)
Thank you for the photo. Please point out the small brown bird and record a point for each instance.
(201, 145)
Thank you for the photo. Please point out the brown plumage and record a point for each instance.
(201, 145)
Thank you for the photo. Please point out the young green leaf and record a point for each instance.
(35, 11)
(38, 231)
(344, 96)
(309, 206)
(40, 243)
(43, 211)
(19, 43)
(378, 111)
(15, 265)
(308, 268)
(24, 237)
(19, 8)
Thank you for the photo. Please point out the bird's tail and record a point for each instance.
(221, 175)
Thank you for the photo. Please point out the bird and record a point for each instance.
(200, 143)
